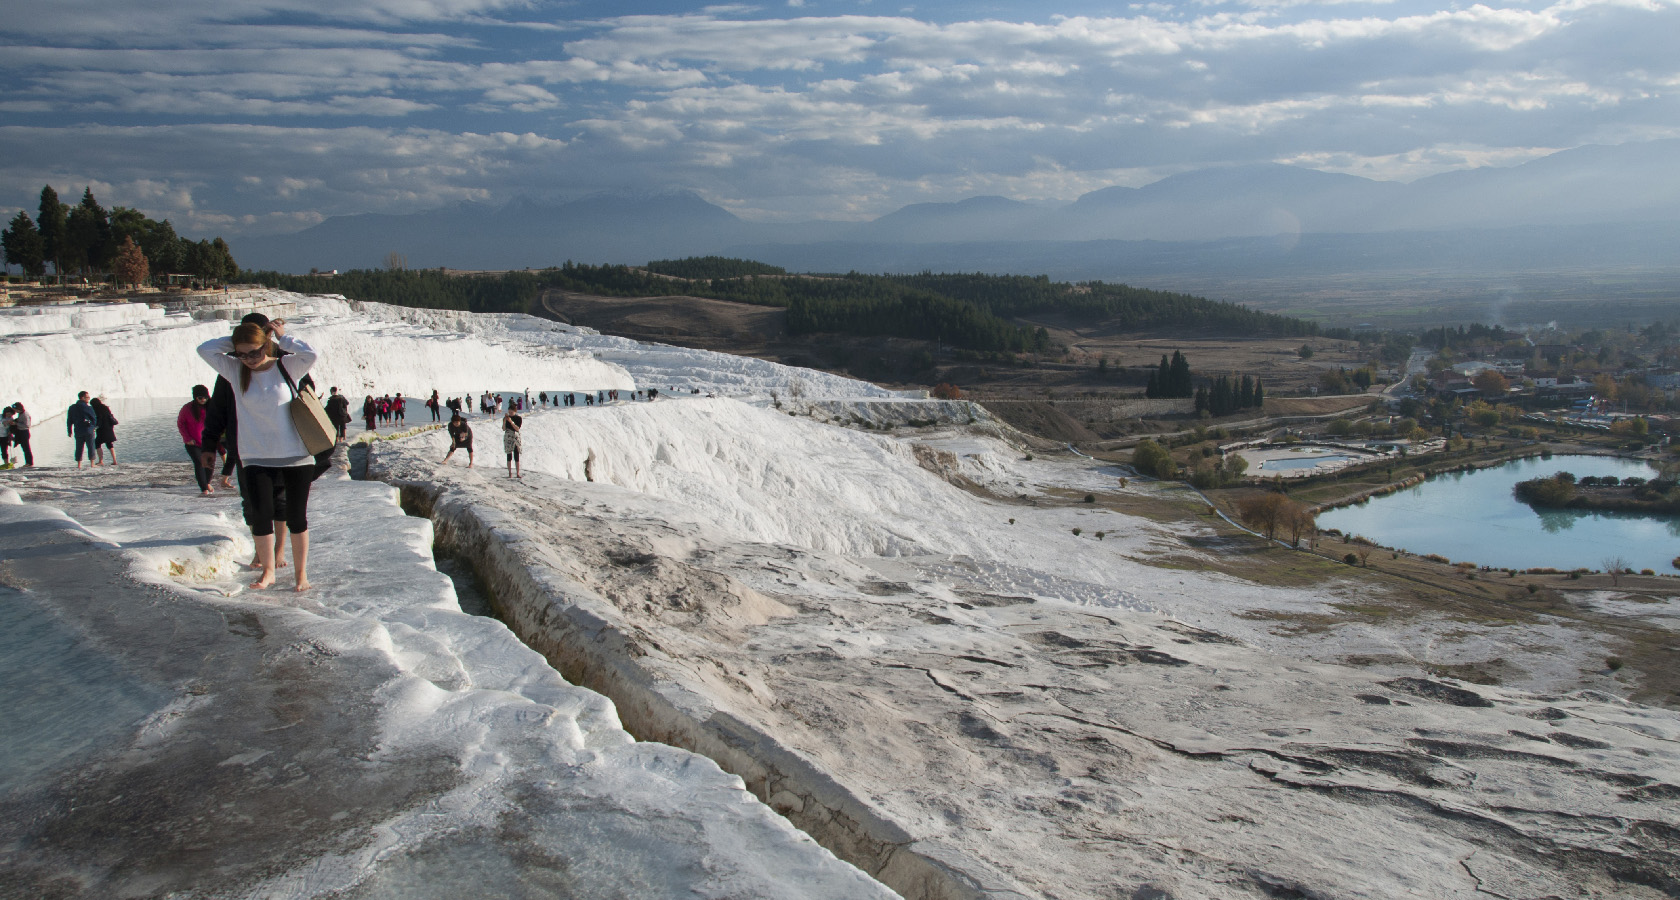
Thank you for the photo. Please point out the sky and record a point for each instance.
(247, 117)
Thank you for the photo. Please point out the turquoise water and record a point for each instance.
(1472, 517)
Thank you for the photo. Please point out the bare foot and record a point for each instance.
(206, 492)
(226, 483)
(267, 580)
(303, 585)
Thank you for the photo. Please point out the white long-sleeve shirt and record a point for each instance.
(266, 434)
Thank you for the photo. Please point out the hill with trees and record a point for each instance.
(974, 312)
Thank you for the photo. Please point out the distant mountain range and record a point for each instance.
(1602, 208)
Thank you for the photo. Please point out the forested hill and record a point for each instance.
(977, 312)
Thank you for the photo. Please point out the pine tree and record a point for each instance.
(87, 235)
(1259, 394)
(1178, 379)
(1245, 393)
(1202, 400)
(50, 219)
(1220, 399)
(226, 269)
(23, 245)
(165, 251)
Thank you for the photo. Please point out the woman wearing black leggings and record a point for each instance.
(269, 447)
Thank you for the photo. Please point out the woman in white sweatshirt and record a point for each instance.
(269, 447)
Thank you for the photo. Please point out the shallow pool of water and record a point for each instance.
(1472, 517)
(145, 433)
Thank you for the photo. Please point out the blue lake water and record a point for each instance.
(1472, 517)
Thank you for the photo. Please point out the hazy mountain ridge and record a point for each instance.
(1278, 217)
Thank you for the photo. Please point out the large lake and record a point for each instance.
(1472, 517)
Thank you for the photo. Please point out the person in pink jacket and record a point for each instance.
(190, 422)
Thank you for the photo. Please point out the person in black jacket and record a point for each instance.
(79, 423)
(338, 412)
(104, 432)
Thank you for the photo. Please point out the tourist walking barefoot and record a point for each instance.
(104, 431)
(190, 423)
(512, 438)
(460, 437)
(271, 453)
(338, 413)
(79, 424)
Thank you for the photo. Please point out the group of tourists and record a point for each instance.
(92, 425)
(592, 399)
(382, 410)
(15, 423)
(461, 438)
(247, 418)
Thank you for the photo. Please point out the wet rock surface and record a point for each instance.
(182, 736)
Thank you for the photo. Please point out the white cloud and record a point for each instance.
(774, 113)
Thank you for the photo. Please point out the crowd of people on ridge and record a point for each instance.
(252, 430)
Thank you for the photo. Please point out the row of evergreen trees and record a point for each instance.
(712, 267)
(86, 239)
(1171, 379)
(1222, 397)
(1120, 305)
(515, 292)
(1226, 396)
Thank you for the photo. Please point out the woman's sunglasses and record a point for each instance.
(250, 355)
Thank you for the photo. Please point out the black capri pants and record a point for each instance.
(262, 480)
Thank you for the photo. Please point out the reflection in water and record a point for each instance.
(1556, 520)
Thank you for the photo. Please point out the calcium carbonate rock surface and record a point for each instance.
(175, 734)
(963, 697)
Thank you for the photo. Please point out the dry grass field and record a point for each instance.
(760, 332)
